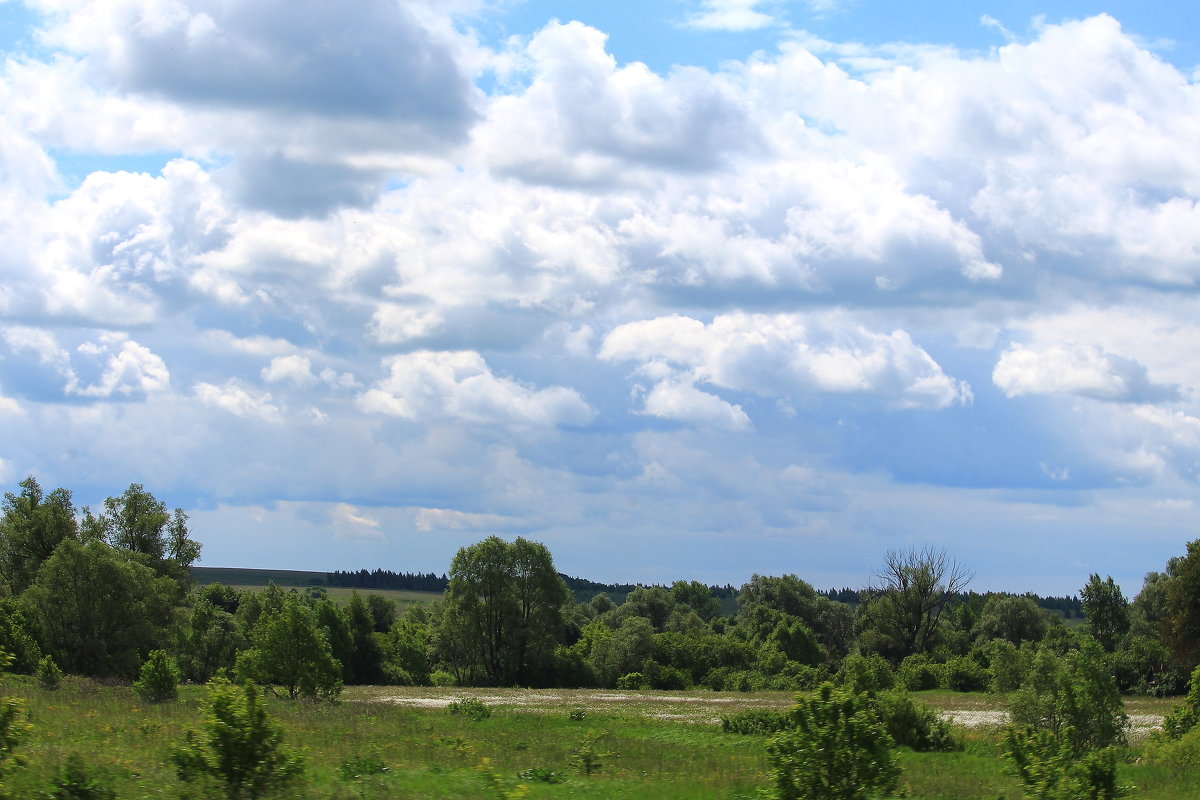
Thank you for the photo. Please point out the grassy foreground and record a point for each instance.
(646, 745)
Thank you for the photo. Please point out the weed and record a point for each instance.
(585, 758)
(470, 707)
(355, 768)
(74, 783)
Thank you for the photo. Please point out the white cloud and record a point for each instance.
(350, 523)
(1073, 368)
(393, 324)
(295, 369)
(448, 519)
(238, 401)
(130, 369)
(679, 400)
(731, 15)
(785, 354)
(459, 385)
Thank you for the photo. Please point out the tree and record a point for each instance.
(906, 603)
(33, 525)
(837, 749)
(290, 650)
(98, 611)
(1181, 617)
(366, 656)
(139, 523)
(698, 596)
(502, 615)
(158, 680)
(1013, 619)
(210, 641)
(1106, 611)
(240, 748)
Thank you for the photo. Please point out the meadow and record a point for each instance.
(402, 742)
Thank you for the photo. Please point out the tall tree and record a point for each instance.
(34, 523)
(138, 522)
(290, 650)
(502, 613)
(906, 602)
(1106, 611)
(1181, 617)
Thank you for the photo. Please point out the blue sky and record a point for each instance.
(681, 289)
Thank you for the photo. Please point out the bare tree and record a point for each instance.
(910, 593)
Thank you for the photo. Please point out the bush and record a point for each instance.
(917, 673)
(470, 707)
(442, 678)
(913, 724)
(1050, 769)
(1185, 717)
(14, 730)
(633, 680)
(48, 674)
(963, 674)
(837, 750)
(1181, 755)
(1007, 664)
(759, 721)
(240, 747)
(158, 680)
(1072, 696)
(867, 674)
(74, 783)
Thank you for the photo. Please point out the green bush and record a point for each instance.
(14, 730)
(74, 783)
(837, 750)
(633, 680)
(442, 678)
(867, 674)
(913, 724)
(1049, 768)
(158, 680)
(1074, 696)
(1181, 755)
(240, 747)
(760, 721)
(963, 674)
(48, 674)
(1185, 717)
(470, 707)
(1007, 664)
(917, 673)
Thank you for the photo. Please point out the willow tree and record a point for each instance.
(503, 612)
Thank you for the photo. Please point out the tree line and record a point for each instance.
(97, 593)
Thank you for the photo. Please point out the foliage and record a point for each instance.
(48, 674)
(1180, 623)
(541, 775)
(964, 674)
(240, 747)
(867, 674)
(355, 768)
(632, 680)
(585, 757)
(98, 611)
(470, 707)
(913, 724)
(17, 636)
(292, 652)
(158, 680)
(137, 522)
(1010, 619)
(1185, 717)
(1074, 698)
(918, 673)
(210, 639)
(756, 721)
(33, 525)
(1106, 611)
(837, 750)
(1008, 664)
(1181, 754)
(905, 605)
(14, 730)
(76, 782)
(1049, 768)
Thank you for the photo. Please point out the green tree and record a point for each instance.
(158, 680)
(33, 525)
(837, 749)
(291, 651)
(366, 655)
(1013, 619)
(98, 611)
(139, 523)
(698, 596)
(905, 604)
(502, 614)
(210, 641)
(240, 748)
(1180, 622)
(1106, 611)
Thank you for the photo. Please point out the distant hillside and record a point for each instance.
(233, 576)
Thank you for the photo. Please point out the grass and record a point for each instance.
(648, 745)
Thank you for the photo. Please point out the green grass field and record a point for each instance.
(257, 579)
(650, 744)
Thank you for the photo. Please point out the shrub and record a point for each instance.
(1008, 665)
(633, 680)
(913, 724)
(442, 678)
(917, 673)
(963, 674)
(1181, 755)
(1050, 769)
(585, 757)
(470, 707)
(838, 750)
(760, 721)
(13, 732)
(158, 680)
(1185, 717)
(867, 674)
(48, 674)
(1072, 696)
(74, 783)
(240, 747)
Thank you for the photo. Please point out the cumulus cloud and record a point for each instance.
(730, 15)
(350, 523)
(429, 385)
(239, 401)
(1079, 369)
(130, 369)
(448, 519)
(293, 369)
(785, 354)
(682, 401)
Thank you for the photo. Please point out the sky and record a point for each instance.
(683, 289)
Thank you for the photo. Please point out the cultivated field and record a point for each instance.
(643, 745)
